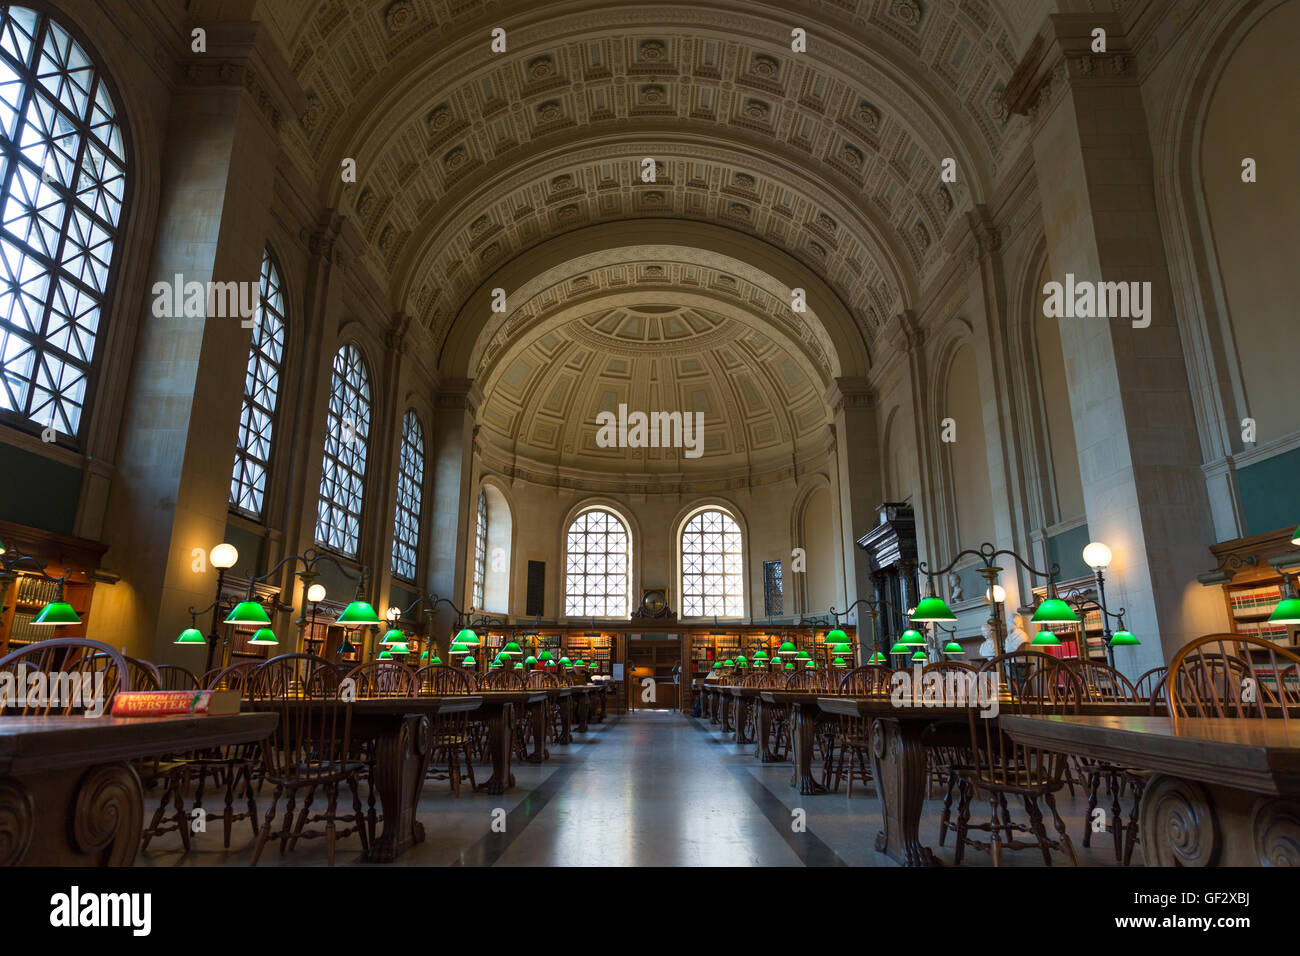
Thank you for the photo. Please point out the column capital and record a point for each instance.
(855, 392)
(1061, 56)
(462, 393)
(904, 333)
(241, 53)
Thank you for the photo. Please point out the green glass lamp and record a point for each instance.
(386, 654)
(838, 662)
(760, 655)
(841, 649)
(920, 655)
(912, 638)
(810, 664)
(435, 659)
(359, 614)
(191, 635)
(399, 648)
(1123, 638)
(1054, 611)
(1295, 539)
(530, 661)
(468, 661)
(264, 635)
(565, 662)
(900, 648)
(519, 665)
(1045, 638)
(742, 660)
(802, 656)
(579, 663)
(393, 636)
(458, 650)
(877, 658)
(347, 647)
(728, 663)
(717, 665)
(787, 649)
(789, 665)
(835, 636)
(1288, 609)
(952, 647)
(512, 650)
(467, 637)
(247, 612)
(57, 613)
(545, 657)
(932, 608)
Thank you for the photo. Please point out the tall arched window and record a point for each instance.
(61, 192)
(261, 395)
(343, 471)
(480, 549)
(597, 565)
(713, 566)
(410, 493)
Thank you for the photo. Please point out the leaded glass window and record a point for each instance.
(597, 561)
(773, 590)
(343, 471)
(480, 549)
(410, 491)
(713, 575)
(61, 190)
(261, 395)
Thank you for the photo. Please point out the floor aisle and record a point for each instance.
(650, 788)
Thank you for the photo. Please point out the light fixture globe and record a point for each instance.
(57, 614)
(1097, 556)
(1045, 638)
(912, 638)
(191, 635)
(223, 556)
(247, 612)
(996, 594)
(316, 593)
(358, 614)
(1124, 639)
(469, 638)
(1054, 611)
(932, 609)
(835, 636)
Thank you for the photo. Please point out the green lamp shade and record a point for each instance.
(494, 666)
(742, 660)
(347, 647)
(57, 613)
(876, 658)
(247, 612)
(789, 665)
(1287, 612)
(512, 650)
(357, 613)
(1045, 638)
(952, 647)
(787, 649)
(810, 664)
(802, 656)
(400, 648)
(519, 665)
(468, 661)
(545, 657)
(424, 654)
(191, 635)
(920, 656)
(835, 637)
(912, 638)
(394, 636)
(900, 648)
(386, 654)
(728, 663)
(1295, 539)
(838, 662)
(264, 635)
(564, 662)
(435, 659)
(579, 663)
(933, 608)
(530, 661)
(717, 665)
(841, 649)
(1055, 611)
(1125, 639)
(760, 655)
(467, 637)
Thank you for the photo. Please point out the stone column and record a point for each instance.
(451, 455)
(857, 453)
(1134, 424)
(170, 496)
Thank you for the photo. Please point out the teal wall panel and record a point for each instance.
(37, 491)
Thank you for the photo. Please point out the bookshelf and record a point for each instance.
(1086, 640)
(76, 558)
(594, 648)
(1251, 582)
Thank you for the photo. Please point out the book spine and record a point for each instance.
(161, 703)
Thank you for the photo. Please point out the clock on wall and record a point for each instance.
(654, 604)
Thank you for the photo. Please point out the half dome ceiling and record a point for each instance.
(465, 159)
(762, 410)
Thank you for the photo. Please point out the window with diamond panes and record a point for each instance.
(596, 566)
(343, 470)
(61, 192)
(713, 576)
(410, 489)
(261, 395)
(773, 593)
(480, 550)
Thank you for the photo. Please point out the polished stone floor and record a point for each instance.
(649, 788)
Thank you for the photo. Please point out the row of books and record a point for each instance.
(1254, 600)
(23, 631)
(36, 590)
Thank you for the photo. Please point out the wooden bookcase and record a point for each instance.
(1252, 583)
(77, 559)
(596, 650)
(1086, 640)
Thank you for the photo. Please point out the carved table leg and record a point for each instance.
(898, 762)
(726, 715)
(401, 762)
(540, 714)
(501, 722)
(80, 817)
(763, 731)
(805, 726)
(584, 706)
(742, 714)
(566, 720)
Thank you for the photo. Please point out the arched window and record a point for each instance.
(61, 192)
(261, 395)
(343, 471)
(410, 492)
(597, 565)
(480, 549)
(713, 566)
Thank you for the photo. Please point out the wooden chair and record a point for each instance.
(1151, 687)
(1000, 767)
(1233, 675)
(88, 675)
(232, 677)
(377, 679)
(142, 675)
(855, 732)
(440, 680)
(945, 761)
(502, 680)
(175, 677)
(310, 749)
(451, 733)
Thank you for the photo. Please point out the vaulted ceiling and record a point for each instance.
(467, 158)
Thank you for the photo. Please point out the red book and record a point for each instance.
(164, 703)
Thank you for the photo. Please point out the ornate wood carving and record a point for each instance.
(107, 814)
(1179, 825)
(1276, 829)
(17, 822)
